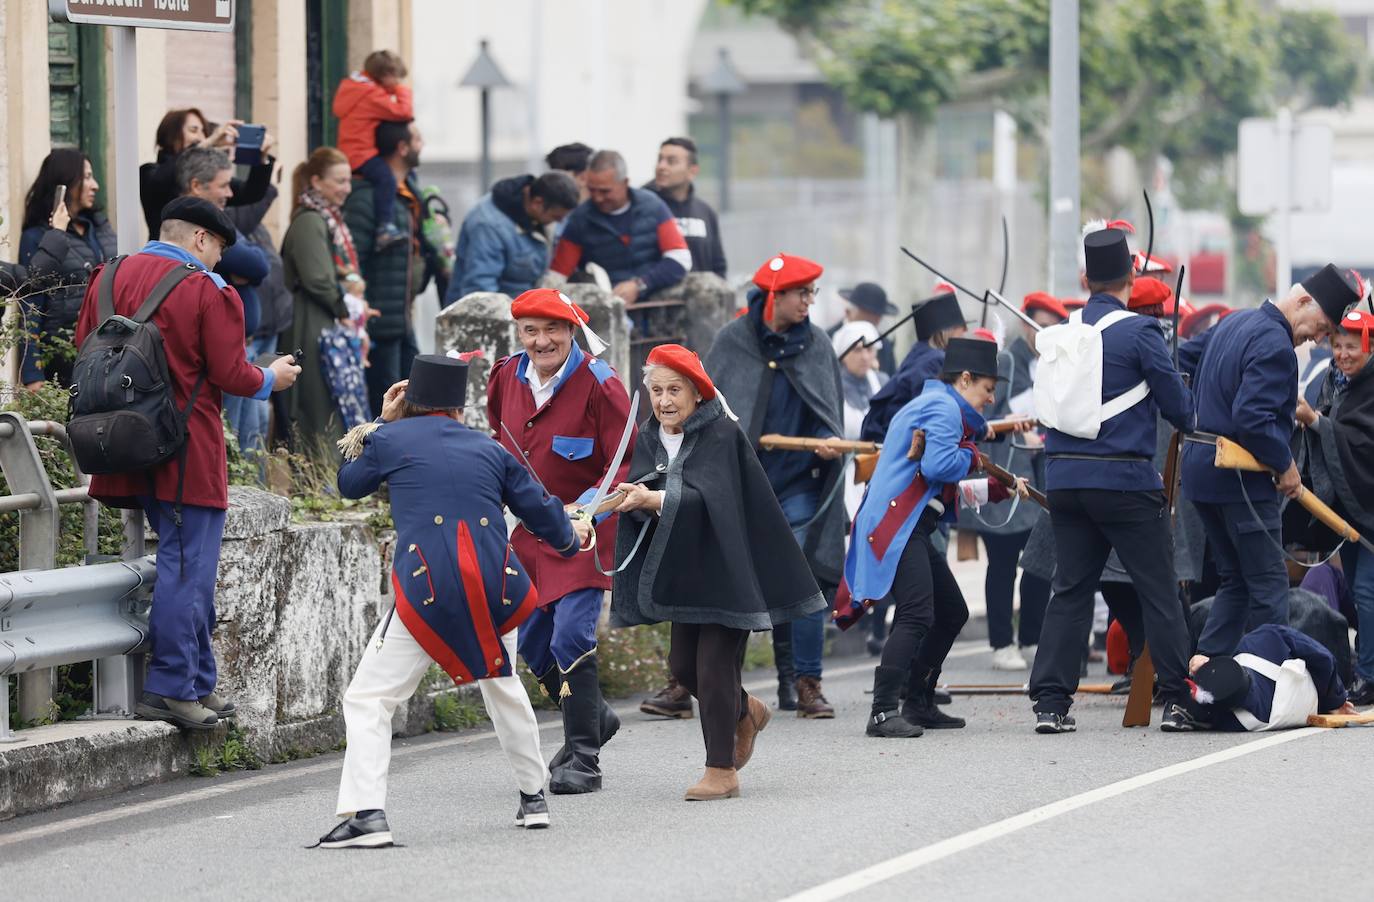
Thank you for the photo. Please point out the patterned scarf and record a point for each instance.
(345, 257)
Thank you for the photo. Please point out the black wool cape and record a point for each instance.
(720, 552)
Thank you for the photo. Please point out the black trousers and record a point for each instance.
(1088, 524)
(708, 659)
(1124, 606)
(929, 609)
(999, 584)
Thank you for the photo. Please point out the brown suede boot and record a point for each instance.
(718, 783)
(811, 704)
(749, 726)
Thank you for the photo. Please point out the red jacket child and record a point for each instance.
(360, 105)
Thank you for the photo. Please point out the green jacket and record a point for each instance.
(308, 267)
(395, 275)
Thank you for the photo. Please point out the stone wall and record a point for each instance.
(482, 320)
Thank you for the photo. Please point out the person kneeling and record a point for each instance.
(460, 589)
(912, 490)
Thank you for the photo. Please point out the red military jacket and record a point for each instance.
(569, 442)
(202, 331)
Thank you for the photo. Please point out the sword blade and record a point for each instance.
(520, 453)
(609, 479)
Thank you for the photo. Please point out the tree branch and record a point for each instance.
(1126, 112)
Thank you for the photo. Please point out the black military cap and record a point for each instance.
(1332, 290)
(1223, 681)
(869, 296)
(973, 355)
(1106, 256)
(937, 314)
(201, 213)
(438, 382)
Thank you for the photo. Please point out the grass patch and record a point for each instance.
(454, 711)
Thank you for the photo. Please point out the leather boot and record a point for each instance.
(885, 720)
(811, 703)
(718, 783)
(787, 671)
(920, 707)
(551, 684)
(672, 700)
(581, 701)
(755, 718)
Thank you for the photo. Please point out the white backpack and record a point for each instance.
(1068, 381)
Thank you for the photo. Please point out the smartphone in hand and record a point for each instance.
(248, 147)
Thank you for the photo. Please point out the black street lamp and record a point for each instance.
(724, 82)
(485, 75)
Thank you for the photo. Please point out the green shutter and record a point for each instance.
(76, 90)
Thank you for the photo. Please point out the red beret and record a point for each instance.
(1073, 303)
(984, 335)
(1360, 322)
(1192, 320)
(1149, 292)
(1150, 263)
(687, 363)
(783, 272)
(1042, 300)
(548, 303)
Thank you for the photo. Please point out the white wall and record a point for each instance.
(610, 73)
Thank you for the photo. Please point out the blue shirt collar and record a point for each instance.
(1109, 299)
(181, 255)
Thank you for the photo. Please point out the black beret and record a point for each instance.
(202, 213)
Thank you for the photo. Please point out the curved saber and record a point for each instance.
(1006, 254)
(588, 510)
(1150, 247)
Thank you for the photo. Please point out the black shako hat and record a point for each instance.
(1332, 290)
(937, 314)
(438, 382)
(1106, 256)
(1221, 681)
(974, 355)
(869, 296)
(202, 213)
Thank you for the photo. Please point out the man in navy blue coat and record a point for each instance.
(937, 321)
(1104, 494)
(460, 589)
(1245, 377)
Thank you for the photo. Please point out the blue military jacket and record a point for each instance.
(1132, 350)
(1276, 643)
(459, 585)
(1245, 376)
(920, 364)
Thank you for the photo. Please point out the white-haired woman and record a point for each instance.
(717, 558)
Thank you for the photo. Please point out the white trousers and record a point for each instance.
(388, 677)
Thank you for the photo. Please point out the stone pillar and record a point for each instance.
(710, 303)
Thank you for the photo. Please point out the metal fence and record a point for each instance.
(51, 617)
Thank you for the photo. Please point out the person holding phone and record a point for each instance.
(186, 128)
(65, 236)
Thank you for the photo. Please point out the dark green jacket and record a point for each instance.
(395, 275)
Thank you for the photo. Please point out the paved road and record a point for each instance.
(989, 812)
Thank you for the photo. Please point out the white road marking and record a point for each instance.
(919, 858)
(331, 764)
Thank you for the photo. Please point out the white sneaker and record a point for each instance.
(1007, 658)
(1028, 652)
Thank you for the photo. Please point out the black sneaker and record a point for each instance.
(1122, 686)
(364, 830)
(1177, 720)
(1048, 722)
(533, 813)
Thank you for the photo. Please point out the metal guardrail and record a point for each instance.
(50, 617)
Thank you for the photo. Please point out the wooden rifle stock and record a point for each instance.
(866, 463)
(1233, 456)
(1008, 480)
(1002, 427)
(775, 442)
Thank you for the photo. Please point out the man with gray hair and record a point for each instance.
(629, 232)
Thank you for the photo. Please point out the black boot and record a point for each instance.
(581, 701)
(787, 671)
(920, 707)
(552, 684)
(885, 720)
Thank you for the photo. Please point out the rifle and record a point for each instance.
(1008, 480)
(866, 460)
(983, 298)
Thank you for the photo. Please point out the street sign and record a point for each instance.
(181, 15)
(1308, 166)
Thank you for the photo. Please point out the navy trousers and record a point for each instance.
(1254, 580)
(561, 633)
(182, 663)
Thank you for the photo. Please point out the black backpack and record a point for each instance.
(123, 412)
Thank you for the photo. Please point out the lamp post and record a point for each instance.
(724, 82)
(484, 74)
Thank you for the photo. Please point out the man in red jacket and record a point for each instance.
(202, 333)
(564, 413)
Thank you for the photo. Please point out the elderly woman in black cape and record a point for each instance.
(718, 558)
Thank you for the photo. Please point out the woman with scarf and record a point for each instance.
(1336, 455)
(321, 270)
(704, 544)
(915, 485)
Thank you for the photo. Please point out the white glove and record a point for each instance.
(974, 492)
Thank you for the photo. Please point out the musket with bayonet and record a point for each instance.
(984, 298)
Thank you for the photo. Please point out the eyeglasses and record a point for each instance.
(809, 292)
(222, 243)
